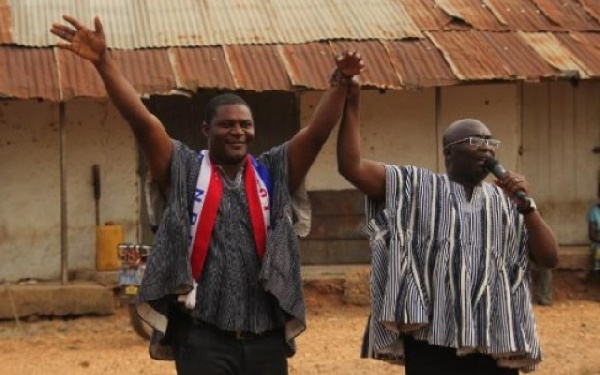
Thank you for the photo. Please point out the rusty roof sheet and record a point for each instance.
(523, 61)
(555, 53)
(472, 12)
(308, 65)
(289, 45)
(149, 71)
(470, 56)
(592, 7)
(380, 72)
(477, 55)
(586, 48)
(520, 15)
(427, 15)
(162, 23)
(28, 73)
(5, 33)
(78, 78)
(202, 67)
(569, 14)
(257, 68)
(420, 64)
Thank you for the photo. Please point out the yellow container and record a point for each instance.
(107, 238)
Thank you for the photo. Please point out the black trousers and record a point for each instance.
(209, 351)
(421, 358)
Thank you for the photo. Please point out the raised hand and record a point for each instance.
(350, 63)
(86, 43)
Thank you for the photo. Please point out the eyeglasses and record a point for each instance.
(477, 142)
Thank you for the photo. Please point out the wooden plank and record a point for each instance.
(341, 202)
(337, 227)
(334, 252)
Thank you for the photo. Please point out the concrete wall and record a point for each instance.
(30, 190)
(405, 127)
(397, 127)
(547, 132)
(561, 126)
(30, 226)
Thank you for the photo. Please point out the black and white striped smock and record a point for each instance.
(449, 271)
(168, 272)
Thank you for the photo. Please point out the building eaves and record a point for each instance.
(202, 67)
(28, 73)
(380, 73)
(308, 65)
(548, 46)
(586, 48)
(470, 55)
(257, 68)
(166, 46)
(420, 64)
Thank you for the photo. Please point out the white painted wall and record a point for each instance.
(30, 245)
(97, 134)
(397, 127)
(29, 191)
(561, 126)
(556, 123)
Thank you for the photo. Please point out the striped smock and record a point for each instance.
(449, 271)
(169, 274)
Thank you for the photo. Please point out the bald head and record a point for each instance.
(464, 128)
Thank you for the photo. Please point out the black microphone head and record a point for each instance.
(490, 164)
(495, 168)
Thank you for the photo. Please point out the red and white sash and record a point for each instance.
(207, 198)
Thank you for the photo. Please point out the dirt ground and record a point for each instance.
(569, 330)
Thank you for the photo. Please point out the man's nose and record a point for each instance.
(237, 128)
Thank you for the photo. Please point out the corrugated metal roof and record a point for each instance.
(5, 34)
(420, 64)
(523, 61)
(163, 23)
(592, 7)
(555, 53)
(520, 15)
(204, 67)
(288, 45)
(308, 65)
(257, 68)
(380, 72)
(476, 55)
(473, 12)
(149, 71)
(77, 78)
(470, 56)
(568, 14)
(28, 73)
(586, 48)
(427, 15)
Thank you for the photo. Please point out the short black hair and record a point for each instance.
(223, 99)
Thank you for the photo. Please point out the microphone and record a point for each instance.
(494, 167)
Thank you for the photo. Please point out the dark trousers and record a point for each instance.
(421, 358)
(210, 351)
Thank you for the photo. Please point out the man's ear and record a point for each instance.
(205, 128)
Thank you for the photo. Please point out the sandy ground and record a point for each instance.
(569, 330)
